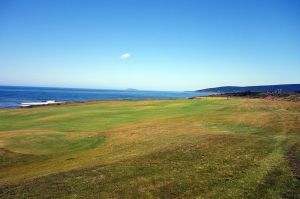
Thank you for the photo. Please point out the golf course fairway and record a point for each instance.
(209, 147)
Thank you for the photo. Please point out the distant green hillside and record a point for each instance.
(266, 88)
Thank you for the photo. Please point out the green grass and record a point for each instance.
(51, 143)
(98, 116)
(204, 148)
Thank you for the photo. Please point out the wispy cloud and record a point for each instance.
(125, 56)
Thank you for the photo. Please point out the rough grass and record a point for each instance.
(204, 148)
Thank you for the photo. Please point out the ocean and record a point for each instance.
(13, 96)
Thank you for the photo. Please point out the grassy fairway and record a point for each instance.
(205, 148)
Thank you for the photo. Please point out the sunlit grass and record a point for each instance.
(204, 148)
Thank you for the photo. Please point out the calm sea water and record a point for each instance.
(13, 96)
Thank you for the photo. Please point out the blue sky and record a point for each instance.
(152, 45)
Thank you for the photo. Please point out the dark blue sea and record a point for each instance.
(13, 96)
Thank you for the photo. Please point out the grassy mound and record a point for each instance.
(51, 143)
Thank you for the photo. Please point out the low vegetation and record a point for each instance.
(208, 147)
(276, 95)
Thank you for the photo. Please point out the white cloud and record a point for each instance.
(125, 56)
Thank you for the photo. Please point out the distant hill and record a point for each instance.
(131, 89)
(266, 88)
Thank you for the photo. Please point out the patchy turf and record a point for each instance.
(293, 155)
(204, 148)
